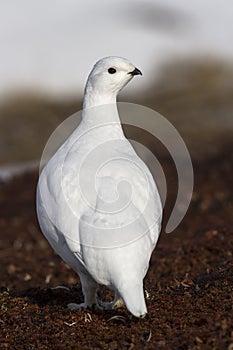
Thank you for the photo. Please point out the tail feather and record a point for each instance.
(133, 296)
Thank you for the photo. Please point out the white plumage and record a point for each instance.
(97, 202)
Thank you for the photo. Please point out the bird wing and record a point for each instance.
(126, 199)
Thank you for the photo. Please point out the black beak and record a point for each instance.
(135, 72)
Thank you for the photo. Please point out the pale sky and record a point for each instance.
(52, 45)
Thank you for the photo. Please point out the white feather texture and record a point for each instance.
(97, 203)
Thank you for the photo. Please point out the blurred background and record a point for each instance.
(185, 51)
(48, 48)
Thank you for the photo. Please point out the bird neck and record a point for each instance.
(93, 98)
(99, 107)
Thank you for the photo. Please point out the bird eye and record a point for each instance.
(111, 70)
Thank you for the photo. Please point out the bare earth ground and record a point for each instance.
(188, 287)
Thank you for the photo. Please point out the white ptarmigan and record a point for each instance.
(97, 202)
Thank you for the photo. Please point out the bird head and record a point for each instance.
(109, 75)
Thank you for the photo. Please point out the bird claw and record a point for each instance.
(113, 305)
(83, 306)
(75, 306)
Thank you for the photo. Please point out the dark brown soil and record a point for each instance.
(189, 286)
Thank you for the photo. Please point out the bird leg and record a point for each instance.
(89, 288)
(115, 304)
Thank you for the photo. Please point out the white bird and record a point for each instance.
(97, 202)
